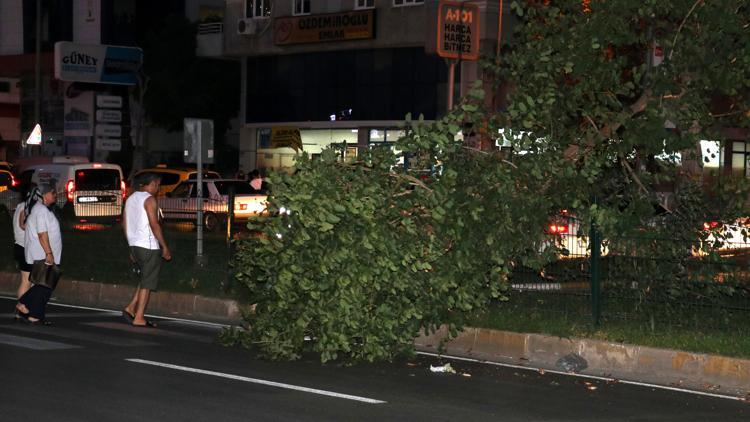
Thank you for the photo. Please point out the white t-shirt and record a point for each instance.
(138, 230)
(18, 232)
(41, 220)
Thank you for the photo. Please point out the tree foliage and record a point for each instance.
(372, 253)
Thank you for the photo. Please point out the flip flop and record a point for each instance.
(128, 316)
(20, 316)
(148, 324)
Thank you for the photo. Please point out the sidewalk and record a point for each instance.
(695, 371)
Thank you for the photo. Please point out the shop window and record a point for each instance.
(740, 157)
(258, 8)
(301, 7)
(364, 4)
(398, 3)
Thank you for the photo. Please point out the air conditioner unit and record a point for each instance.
(246, 26)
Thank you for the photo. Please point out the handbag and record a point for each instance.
(45, 275)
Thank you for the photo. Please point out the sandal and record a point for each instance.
(148, 324)
(128, 316)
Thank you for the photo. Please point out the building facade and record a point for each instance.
(343, 72)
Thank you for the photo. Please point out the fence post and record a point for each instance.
(230, 243)
(596, 252)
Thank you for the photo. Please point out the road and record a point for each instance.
(92, 366)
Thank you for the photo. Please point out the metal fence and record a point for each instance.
(98, 251)
(650, 281)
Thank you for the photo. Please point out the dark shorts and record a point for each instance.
(149, 261)
(20, 256)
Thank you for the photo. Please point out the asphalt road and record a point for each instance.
(92, 366)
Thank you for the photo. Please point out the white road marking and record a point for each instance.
(619, 381)
(34, 344)
(117, 312)
(259, 381)
(80, 335)
(58, 315)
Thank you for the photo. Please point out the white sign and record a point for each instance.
(35, 137)
(109, 116)
(107, 64)
(114, 131)
(78, 118)
(108, 144)
(108, 101)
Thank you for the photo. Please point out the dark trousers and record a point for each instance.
(36, 299)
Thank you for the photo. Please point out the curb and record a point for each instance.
(116, 296)
(673, 368)
(695, 371)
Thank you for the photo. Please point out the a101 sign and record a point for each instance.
(458, 30)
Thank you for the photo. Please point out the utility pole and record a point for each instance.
(38, 65)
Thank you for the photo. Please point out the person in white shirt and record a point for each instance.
(42, 242)
(19, 233)
(147, 245)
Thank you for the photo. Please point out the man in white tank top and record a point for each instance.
(147, 245)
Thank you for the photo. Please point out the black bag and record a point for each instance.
(45, 275)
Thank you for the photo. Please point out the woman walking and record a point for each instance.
(42, 242)
(19, 233)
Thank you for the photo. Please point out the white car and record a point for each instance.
(182, 203)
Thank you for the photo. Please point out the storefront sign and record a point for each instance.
(458, 30)
(109, 101)
(286, 137)
(108, 144)
(114, 131)
(109, 116)
(356, 25)
(107, 64)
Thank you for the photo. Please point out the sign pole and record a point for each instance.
(451, 83)
(199, 186)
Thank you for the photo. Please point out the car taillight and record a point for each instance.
(70, 187)
(124, 189)
(708, 225)
(557, 228)
(13, 181)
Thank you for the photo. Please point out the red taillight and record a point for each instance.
(70, 187)
(124, 189)
(710, 225)
(13, 181)
(557, 228)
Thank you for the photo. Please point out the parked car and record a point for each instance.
(181, 204)
(171, 177)
(86, 192)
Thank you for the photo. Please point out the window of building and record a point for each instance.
(301, 7)
(364, 4)
(398, 3)
(740, 158)
(4, 86)
(257, 8)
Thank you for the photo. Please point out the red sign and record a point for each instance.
(458, 30)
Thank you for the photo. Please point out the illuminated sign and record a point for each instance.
(458, 30)
(357, 25)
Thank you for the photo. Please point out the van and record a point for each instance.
(86, 192)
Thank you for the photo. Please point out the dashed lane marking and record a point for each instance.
(34, 344)
(259, 381)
